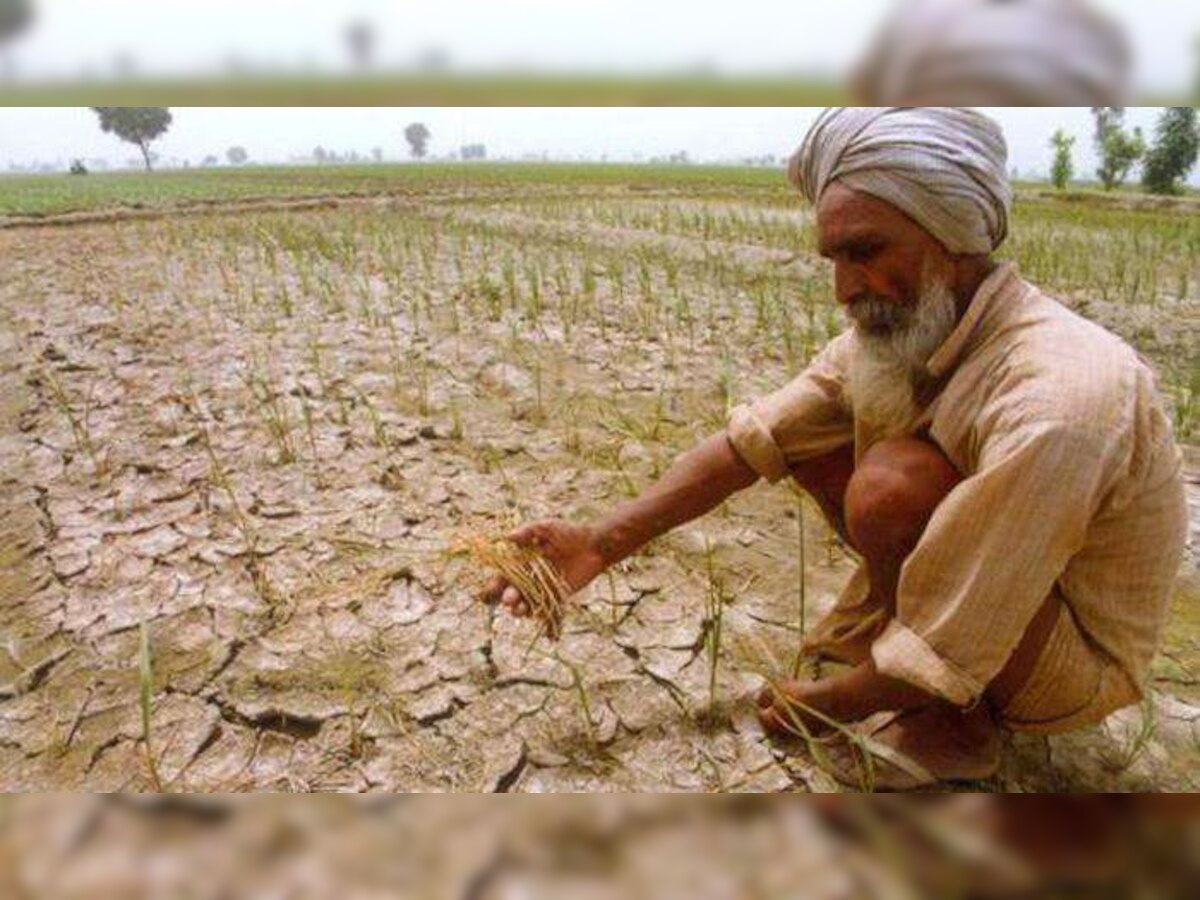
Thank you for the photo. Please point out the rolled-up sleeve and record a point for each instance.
(990, 556)
(806, 417)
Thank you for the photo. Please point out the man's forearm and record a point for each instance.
(695, 483)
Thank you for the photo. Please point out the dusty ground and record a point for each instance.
(257, 434)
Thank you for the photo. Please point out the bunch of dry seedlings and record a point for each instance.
(527, 570)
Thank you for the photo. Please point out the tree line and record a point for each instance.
(1165, 163)
(142, 125)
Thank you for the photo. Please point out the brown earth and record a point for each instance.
(261, 452)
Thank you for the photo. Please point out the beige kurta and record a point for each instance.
(1072, 480)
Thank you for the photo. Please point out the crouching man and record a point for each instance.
(1003, 467)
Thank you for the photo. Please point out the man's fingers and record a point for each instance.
(531, 535)
(512, 600)
(492, 591)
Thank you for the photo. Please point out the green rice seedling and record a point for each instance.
(725, 380)
(801, 582)
(508, 275)
(272, 410)
(759, 658)
(581, 694)
(80, 424)
(714, 617)
(492, 296)
(378, 426)
(219, 477)
(612, 593)
(145, 698)
(539, 411)
(316, 360)
(1137, 742)
(587, 280)
(395, 361)
(561, 280)
(1182, 389)
(627, 484)
(533, 291)
(309, 431)
(283, 299)
(528, 571)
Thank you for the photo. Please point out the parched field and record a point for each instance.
(236, 446)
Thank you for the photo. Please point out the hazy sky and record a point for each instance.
(274, 134)
(70, 36)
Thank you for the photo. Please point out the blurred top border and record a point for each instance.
(460, 89)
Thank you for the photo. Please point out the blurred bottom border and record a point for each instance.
(598, 846)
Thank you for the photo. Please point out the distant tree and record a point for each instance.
(1176, 146)
(473, 151)
(377, 154)
(360, 39)
(1118, 150)
(15, 16)
(1106, 117)
(237, 156)
(209, 160)
(319, 154)
(1118, 154)
(77, 167)
(417, 136)
(1062, 169)
(137, 125)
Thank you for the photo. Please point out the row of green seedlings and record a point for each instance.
(1131, 257)
(412, 369)
(762, 226)
(1145, 256)
(769, 299)
(643, 287)
(567, 284)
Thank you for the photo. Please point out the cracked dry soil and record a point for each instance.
(257, 433)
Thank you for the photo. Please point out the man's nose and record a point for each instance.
(848, 282)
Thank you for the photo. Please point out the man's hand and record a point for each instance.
(571, 549)
(696, 482)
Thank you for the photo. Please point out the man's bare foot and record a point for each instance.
(914, 749)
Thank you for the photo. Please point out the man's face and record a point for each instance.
(881, 258)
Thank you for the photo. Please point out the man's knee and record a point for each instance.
(894, 491)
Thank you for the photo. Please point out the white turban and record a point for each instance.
(946, 167)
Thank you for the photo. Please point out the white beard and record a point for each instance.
(893, 349)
